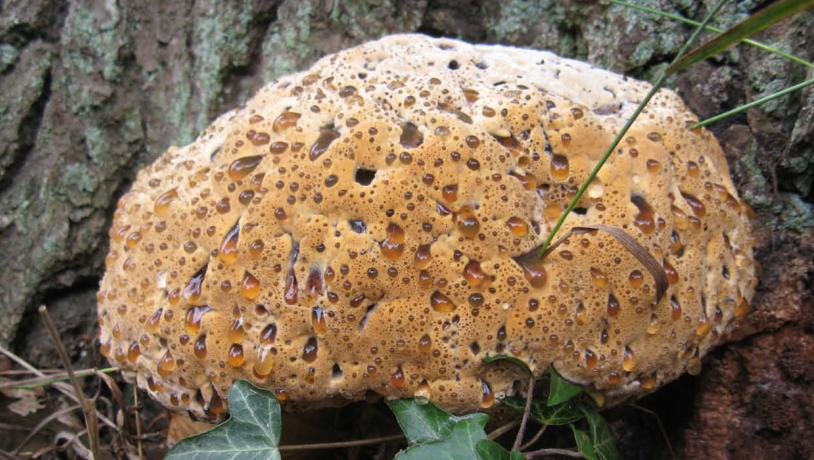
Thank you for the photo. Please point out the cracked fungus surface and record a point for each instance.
(369, 225)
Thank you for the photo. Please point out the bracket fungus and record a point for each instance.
(374, 224)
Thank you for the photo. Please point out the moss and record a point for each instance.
(286, 45)
(8, 56)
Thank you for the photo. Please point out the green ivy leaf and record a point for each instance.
(559, 389)
(584, 444)
(520, 363)
(252, 431)
(600, 434)
(561, 414)
(490, 450)
(436, 434)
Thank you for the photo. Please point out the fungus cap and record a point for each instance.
(371, 224)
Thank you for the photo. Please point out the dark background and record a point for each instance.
(90, 91)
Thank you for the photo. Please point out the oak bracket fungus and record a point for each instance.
(373, 224)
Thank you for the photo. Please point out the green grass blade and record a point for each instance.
(754, 103)
(691, 22)
(755, 23)
(656, 86)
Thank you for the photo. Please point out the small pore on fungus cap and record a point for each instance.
(372, 225)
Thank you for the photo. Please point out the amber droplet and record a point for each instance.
(250, 286)
(450, 192)
(393, 244)
(397, 379)
(236, 357)
(741, 307)
(696, 205)
(291, 289)
(326, 137)
(284, 121)
(411, 136)
(653, 166)
(154, 321)
(268, 334)
(670, 271)
(133, 239)
(473, 274)
(166, 365)
(133, 352)
(192, 291)
(467, 222)
(487, 396)
(614, 378)
(599, 278)
(692, 169)
(441, 303)
(636, 279)
(613, 305)
(590, 359)
(314, 284)
(628, 360)
(318, 320)
(653, 326)
(533, 268)
(422, 256)
(162, 203)
(242, 167)
(517, 226)
(582, 315)
(236, 330)
(675, 309)
(264, 363)
(704, 326)
(559, 167)
(194, 317)
(309, 351)
(645, 220)
(199, 347)
(425, 344)
(648, 383)
(528, 181)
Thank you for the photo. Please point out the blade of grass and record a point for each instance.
(752, 25)
(754, 103)
(691, 22)
(656, 87)
(88, 408)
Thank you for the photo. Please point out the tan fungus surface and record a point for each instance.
(367, 225)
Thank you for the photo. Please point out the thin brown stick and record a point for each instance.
(63, 388)
(88, 409)
(661, 427)
(339, 445)
(544, 452)
(37, 382)
(500, 431)
(518, 440)
(138, 422)
(43, 423)
(534, 438)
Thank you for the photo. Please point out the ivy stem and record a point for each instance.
(341, 444)
(656, 87)
(518, 440)
(544, 452)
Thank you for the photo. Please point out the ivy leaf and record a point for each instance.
(600, 434)
(584, 444)
(561, 414)
(559, 389)
(490, 450)
(520, 363)
(252, 431)
(436, 434)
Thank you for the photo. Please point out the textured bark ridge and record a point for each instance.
(92, 91)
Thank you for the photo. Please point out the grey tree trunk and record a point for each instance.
(92, 90)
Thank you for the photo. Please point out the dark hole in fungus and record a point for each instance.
(453, 65)
(358, 225)
(336, 371)
(364, 176)
(581, 211)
